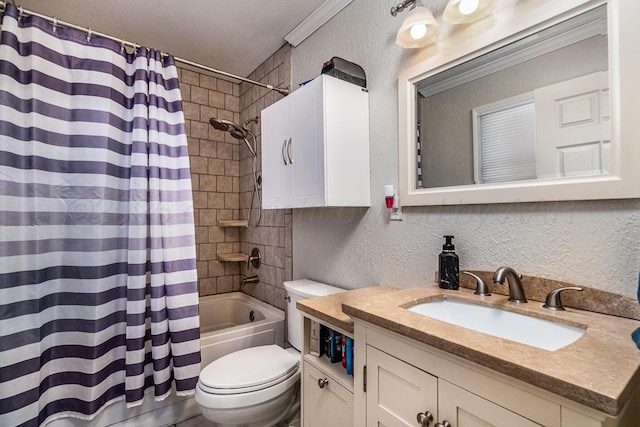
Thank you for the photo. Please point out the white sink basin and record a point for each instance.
(517, 327)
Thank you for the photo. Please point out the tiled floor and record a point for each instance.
(197, 421)
(200, 421)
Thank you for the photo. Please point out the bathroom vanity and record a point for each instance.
(327, 390)
(410, 369)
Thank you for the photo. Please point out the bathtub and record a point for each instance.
(226, 326)
(233, 321)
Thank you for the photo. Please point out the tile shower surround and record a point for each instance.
(221, 172)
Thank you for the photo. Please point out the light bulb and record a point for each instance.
(467, 7)
(418, 31)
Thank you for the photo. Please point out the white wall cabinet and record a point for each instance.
(315, 147)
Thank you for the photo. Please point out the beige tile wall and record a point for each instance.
(215, 175)
(273, 235)
(221, 169)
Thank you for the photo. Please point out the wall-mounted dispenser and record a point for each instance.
(392, 202)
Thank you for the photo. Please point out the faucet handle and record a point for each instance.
(254, 259)
(481, 286)
(553, 299)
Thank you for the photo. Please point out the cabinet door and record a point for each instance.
(464, 409)
(330, 406)
(397, 392)
(307, 146)
(276, 138)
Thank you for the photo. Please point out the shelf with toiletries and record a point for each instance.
(327, 387)
(331, 351)
(327, 390)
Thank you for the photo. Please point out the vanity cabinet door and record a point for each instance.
(464, 409)
(330, 405)
(397, 392)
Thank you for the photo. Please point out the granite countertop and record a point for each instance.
(599, 370)
(328, 308)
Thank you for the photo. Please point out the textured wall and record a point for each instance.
(596, 244)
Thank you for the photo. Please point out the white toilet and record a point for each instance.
(259, 386)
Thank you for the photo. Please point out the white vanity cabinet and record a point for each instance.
(315, 147)
(401, 394)
(327, 406)
(405, 378)
(327, 390)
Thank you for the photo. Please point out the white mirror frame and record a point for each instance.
(624, 84)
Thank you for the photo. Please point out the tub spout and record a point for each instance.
(252, 279)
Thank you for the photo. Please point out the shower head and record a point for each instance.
(228, 126)
(236, 131)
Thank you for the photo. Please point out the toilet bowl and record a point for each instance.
(256, 386)
(259, 386)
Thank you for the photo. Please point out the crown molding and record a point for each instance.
(315, 20)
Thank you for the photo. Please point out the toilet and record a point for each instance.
(260, 386)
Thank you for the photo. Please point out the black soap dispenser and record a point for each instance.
(448, 269)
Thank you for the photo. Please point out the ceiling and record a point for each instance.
(230, 35)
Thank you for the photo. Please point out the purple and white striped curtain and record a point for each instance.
(98, 292)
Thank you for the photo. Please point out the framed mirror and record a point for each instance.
(538, 108)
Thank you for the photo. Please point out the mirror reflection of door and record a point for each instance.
(573, 136)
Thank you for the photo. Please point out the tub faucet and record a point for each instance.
(516, 291)
(252, 279)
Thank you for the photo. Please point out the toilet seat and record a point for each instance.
(248, 370)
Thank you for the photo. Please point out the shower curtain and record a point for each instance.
(98, 292)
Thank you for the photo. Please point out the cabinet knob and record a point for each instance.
(322, 382)
(444, 423)
(424, 418)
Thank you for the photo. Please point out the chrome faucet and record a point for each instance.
(516, 291)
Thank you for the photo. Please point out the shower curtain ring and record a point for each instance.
(122, 46)
(55, 24)
(89, 33)
(21, 9)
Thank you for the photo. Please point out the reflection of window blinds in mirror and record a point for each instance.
(507, 138)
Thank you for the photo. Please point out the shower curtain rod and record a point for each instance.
(123, 42)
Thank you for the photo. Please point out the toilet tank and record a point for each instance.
(295, 291)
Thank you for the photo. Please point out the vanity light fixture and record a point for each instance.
(419, 28)
(467, 11)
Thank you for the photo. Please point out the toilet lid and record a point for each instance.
(249, 369)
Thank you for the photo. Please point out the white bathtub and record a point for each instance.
(226, 324)
(225, 327)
